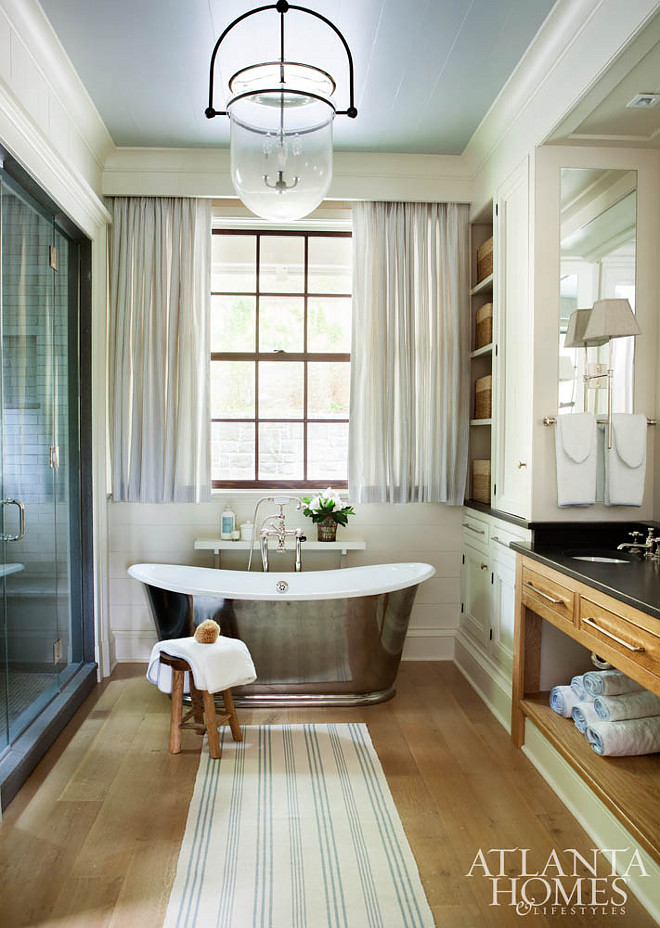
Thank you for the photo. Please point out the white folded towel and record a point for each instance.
(627, 706)
(583, 715)
(609, 683)
(625, 461)
(626, 738)
(215, 667)
(577, 685)
(562, 700)
(575, 450)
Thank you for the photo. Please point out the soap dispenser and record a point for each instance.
(227, 523)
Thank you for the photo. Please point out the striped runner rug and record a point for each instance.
(295, 827)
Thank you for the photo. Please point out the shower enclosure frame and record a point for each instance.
(21, 756)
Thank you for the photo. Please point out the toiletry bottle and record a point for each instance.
(227, 523)
(247, 531)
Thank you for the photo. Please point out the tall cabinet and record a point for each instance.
(500, 442)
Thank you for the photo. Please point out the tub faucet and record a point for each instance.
(275, 526)
(635, 545)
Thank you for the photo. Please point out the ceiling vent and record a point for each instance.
(643, 101)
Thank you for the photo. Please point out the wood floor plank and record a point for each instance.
(94, 836)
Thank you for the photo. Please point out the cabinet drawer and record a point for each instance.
(626, 635)
(538, 590)
(475, 531)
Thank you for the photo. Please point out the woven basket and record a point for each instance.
(485, 260)
(481, 481)
(483, 397)
(484, 326)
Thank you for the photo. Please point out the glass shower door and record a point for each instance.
(29, 487)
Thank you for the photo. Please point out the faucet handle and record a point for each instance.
(650, 536)
(635, 536)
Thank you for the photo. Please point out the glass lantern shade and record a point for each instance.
(281, 151)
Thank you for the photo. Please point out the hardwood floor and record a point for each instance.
(93, 837)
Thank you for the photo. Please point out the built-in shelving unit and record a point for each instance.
(481, 358)
(485, 285)
(479, 352)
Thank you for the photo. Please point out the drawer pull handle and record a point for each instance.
(603, 631)
(505, 544)
(478, 531)
(550, 599)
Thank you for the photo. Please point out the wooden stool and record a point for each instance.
(203, 710)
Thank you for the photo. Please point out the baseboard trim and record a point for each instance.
(484, 677)
(429, 644)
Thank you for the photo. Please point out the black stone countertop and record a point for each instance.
(636, 582)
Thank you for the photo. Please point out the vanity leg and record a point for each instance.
(526, 659)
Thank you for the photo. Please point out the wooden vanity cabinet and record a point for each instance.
(626, 637)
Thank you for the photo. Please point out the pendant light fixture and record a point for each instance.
(281, 114)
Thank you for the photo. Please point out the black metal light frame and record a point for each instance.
(283, 7)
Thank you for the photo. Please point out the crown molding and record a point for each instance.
(34, 152)
(204, 172)
(40, 42)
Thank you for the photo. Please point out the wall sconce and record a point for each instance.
(608, 319)
(281, 116)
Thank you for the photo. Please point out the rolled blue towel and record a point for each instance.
(562, 700)
(583, 715)
(609, 683)
(626, 738)
(577, 685)
(627, 706)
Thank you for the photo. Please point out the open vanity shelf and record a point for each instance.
(629, 786)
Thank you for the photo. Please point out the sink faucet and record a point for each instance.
(274, 526)
(635, 545)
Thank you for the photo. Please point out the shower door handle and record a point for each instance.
(21, 516)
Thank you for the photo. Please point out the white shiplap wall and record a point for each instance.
(166, 532)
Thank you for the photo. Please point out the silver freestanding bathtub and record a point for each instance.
(329, 637)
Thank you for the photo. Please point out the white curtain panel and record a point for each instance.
(159, 272)
(409, 415)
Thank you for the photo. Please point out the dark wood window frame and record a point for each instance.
(305, 356)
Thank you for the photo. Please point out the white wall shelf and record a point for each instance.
(481, 421)
(479, 352)
(217, 545)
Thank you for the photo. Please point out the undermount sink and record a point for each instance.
(600, 557)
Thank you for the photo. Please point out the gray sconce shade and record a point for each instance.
(576, 334)
(610, 319)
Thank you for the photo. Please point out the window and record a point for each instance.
(280, 358)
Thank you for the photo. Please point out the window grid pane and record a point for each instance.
(285, 424)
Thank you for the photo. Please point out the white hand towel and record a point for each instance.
(583, 715)
(216, 667)
(625, 461)
(575, 449)
(628, 706)
(609, 683)
(562, 700)
(627, 738)
(577, 685)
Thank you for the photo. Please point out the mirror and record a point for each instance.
(597, 261)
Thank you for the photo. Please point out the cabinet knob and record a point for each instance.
(483, 566)
(521, 464)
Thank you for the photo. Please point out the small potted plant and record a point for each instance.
(327, 511)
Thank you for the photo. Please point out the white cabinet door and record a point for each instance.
(513, 438)
(504, 604)
(476, 599)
